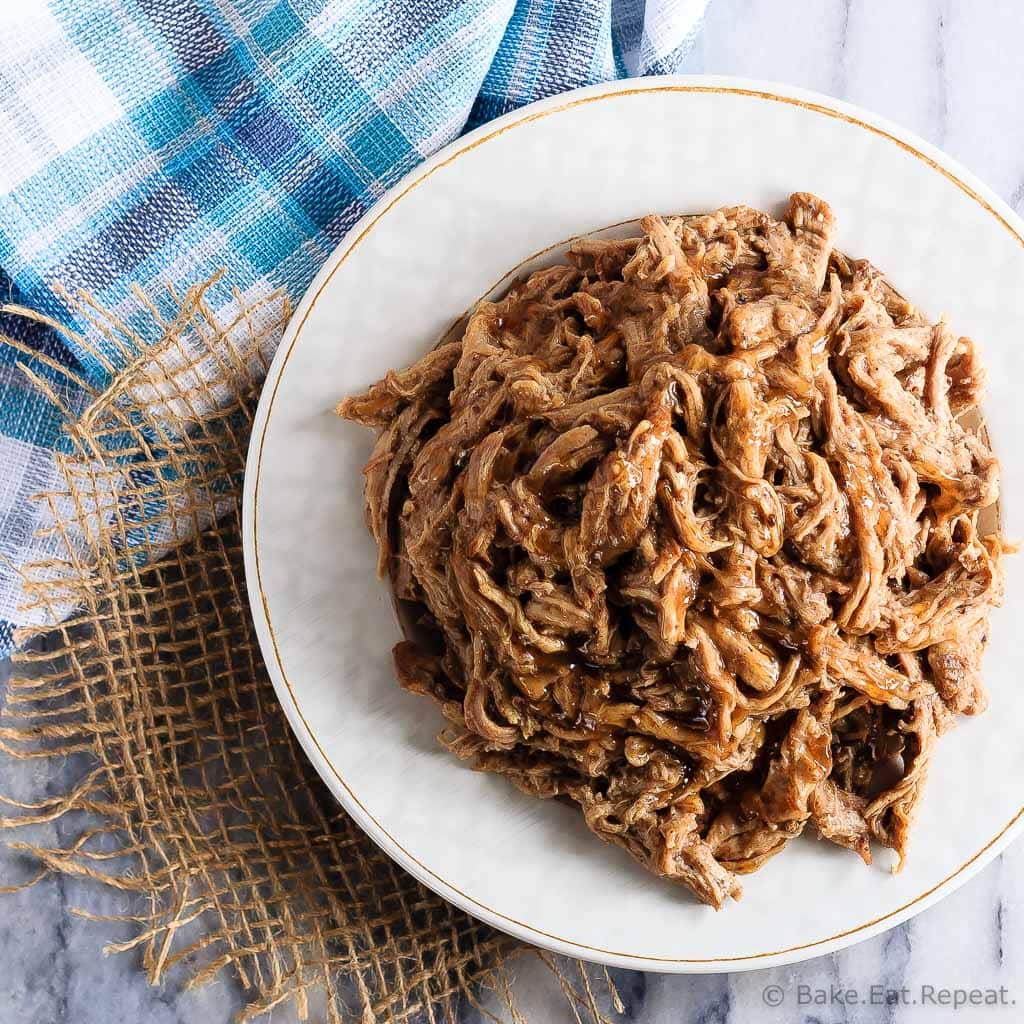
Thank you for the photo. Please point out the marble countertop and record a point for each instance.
(944, 69)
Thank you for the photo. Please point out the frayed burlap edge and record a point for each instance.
(197, 799)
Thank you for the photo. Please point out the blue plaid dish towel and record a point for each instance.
(147, 142)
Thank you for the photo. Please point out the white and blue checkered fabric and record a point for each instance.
(147, 142)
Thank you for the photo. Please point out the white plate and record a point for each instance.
(427, 251)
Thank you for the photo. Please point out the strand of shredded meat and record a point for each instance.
(689, 531)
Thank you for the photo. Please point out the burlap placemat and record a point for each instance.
(207, 810)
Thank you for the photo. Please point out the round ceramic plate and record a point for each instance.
(445, 237)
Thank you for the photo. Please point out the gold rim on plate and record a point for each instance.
(818, 108)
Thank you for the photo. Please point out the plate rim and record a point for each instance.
(768, 91)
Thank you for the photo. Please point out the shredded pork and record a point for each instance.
(687, 533)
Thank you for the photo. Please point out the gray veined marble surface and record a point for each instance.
(949, 70)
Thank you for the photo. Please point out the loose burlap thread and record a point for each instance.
(198, 801)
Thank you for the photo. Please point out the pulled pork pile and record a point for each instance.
(688, 530)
